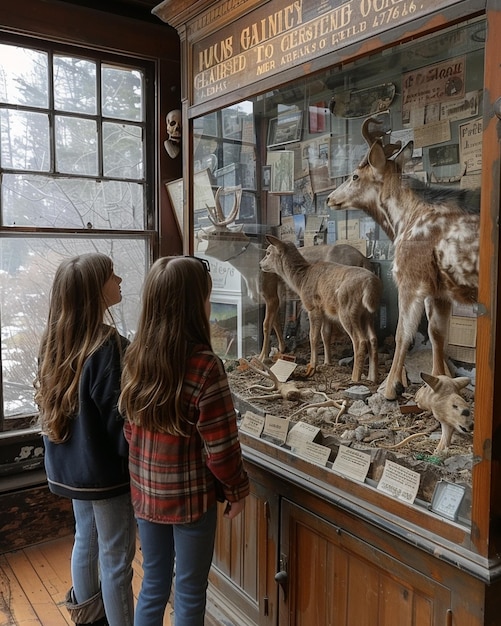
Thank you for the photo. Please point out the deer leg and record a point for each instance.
(272, 305)
(438, 313)
(372, 346)
(445, 439)
(315, 318)
(326, 339)
(352, 327)
(409, 313)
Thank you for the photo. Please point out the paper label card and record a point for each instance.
(276, 427)
(399, 482)
(447, 499)
(313, 452)
(283, 369)
(351, 463)
(252, 424)
(301, 432)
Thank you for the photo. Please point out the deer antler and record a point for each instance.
(374, 135)
(286, 391)
(216, 214)
(371, 136)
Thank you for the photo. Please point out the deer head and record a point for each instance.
(223, 242)
(441, 396)
(363, 188)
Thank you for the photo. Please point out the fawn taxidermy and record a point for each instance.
(235, 247)
(331, 292)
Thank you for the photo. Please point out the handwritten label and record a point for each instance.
(276, 427)
(313, 452)
(447, 499)
(470, 144)
(283, 369)
(399, 482)
(352, 463)
(252, 424)
(433, 83)
(429, 134)
(280, 34)
(301, 432)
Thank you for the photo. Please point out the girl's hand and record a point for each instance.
(234, 508)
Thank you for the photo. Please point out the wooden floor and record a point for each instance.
(34, 581)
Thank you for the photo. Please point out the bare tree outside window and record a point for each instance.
(74, 179)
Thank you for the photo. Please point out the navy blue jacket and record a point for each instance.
(93, 463)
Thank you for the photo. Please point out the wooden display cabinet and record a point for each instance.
(312, 547)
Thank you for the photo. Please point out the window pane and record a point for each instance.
(122, 151)
(72, 203)
(25, 140)
(122, 93)
(76, 146)
(27, 267)
(23, 76)
(74, 85)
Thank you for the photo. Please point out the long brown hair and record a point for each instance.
(173, 319)
(74, 331)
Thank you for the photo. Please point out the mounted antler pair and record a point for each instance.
(373, 135)
(216, 213)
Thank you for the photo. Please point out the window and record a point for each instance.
(74, 139)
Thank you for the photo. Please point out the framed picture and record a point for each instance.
(175, 191)
(266, 178)
(232, 124)
(286, 128)
(282, 171)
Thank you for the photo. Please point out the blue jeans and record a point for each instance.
(105, 544)
(192, 545)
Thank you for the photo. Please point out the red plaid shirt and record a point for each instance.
(172, 478)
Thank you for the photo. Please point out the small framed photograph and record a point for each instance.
(175, 191)
(232, 124)
(282, 171)
(266, 178)
(286, 128)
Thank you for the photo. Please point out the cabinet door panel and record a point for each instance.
(335, 579)
(244, 563)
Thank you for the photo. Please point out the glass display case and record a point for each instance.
(271, 164)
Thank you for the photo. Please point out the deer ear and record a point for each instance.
(405, 154)
(271, 239)
(377, 157)
(430, 380)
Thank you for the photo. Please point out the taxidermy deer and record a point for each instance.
(235, 247)
(331, 292)
(441, 396)
(435, 235)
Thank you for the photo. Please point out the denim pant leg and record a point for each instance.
(84, 555)
(116, 531)
(194, 544)
(157, 548)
